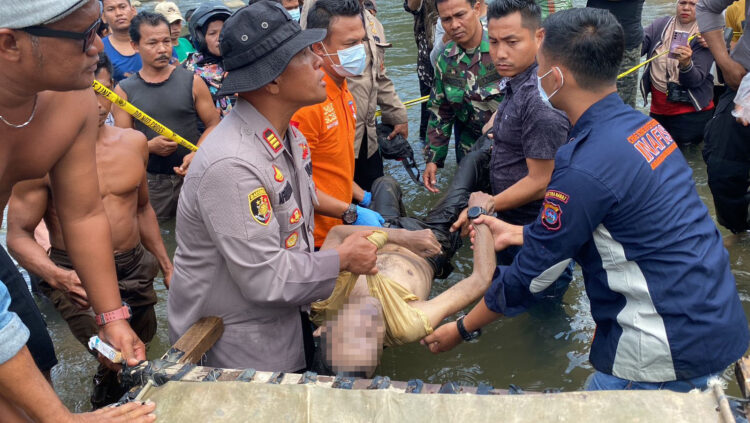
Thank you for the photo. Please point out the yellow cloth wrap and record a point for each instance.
(403, 323)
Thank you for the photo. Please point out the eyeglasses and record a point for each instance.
(88, 36)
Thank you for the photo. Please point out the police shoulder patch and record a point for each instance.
(551, 215)
(260, 206)
(272, 140)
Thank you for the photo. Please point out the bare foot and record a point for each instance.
(132, 412)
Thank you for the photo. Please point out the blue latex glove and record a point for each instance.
(366, 199)
(367, 217)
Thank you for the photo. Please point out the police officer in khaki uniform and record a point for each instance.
(245, 217)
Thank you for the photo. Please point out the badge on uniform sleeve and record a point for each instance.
(295, 217)
(272, 140)
(260, 206)
(551, 214)
(353, 109)
(277, 175)
(305, 150)
(291, 240)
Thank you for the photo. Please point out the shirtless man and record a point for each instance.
(45, 131)
(353, 333)
(121, 156)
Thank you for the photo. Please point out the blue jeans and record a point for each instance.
(603, 382)
(13, 333)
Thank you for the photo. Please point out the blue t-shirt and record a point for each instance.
(124, 65)
(622, 203)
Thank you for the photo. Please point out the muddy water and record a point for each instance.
(546, 348)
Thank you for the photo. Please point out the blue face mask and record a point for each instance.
(542, 93)
(294, 13)
(352, 59)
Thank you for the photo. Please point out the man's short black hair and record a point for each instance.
(104, 63)
(531, 13)
(589, 42)
(471, 2)
(323, 11)
(147, 18)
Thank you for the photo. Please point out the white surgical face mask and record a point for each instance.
(294, 13)
(542, 93)
(352, 59)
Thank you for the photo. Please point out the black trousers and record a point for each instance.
(22, 303)
(727, 155)
(367, 170)
(472, 175)
(687, 128)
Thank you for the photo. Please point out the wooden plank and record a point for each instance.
(742, 373)
(197, 340)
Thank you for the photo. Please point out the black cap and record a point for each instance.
(257, 44)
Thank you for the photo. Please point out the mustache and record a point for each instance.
(163, 57)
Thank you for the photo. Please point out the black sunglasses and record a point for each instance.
(88, 36)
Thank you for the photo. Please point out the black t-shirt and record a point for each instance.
(628, 13)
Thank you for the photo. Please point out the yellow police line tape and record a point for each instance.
(644, 63)
(141, 116)
(419, 100)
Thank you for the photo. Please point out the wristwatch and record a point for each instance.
(350, 215)
(122, 313)
(466, 335)
(475, 212)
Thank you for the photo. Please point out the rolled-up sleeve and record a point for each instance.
(708, 13)
(247, 234)
(13, 333)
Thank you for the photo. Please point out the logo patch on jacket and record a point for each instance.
(353, 109)
(291, 240)
(277, 175)
(272, 140)
(260, 206)
(653, 142)
(295, 217)
(551, 214)
(329, 116)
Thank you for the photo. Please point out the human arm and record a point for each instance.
(529, 188)
(575, 206)
(24, 389)
(694, 63)
(26, 208)
(422, 243)
(208, 114)
(122, 118)
(251, 247)
(148, 225)
(438, 44)
(439, 129)
(86, 232)
(333, 207)
(711, 24)
(468, 290)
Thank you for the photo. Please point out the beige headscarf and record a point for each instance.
(664, 65)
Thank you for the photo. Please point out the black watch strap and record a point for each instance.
(466, 335)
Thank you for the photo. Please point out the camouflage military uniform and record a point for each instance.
(466, 89)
